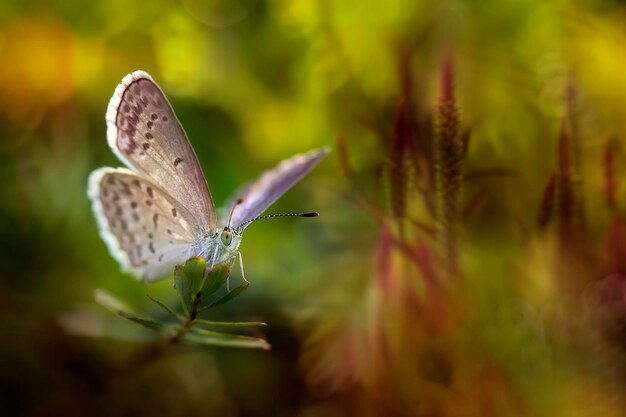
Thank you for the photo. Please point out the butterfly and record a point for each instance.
(158, 212)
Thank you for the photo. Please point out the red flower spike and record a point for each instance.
(616, 247)
(610, 181)
(344, 157)
(447, 80)
(566, 201)
(546, 208)
(450, 154)
(399, 170)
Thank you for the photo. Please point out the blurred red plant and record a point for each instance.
(451, 151)
(408, 325)
(610, 181)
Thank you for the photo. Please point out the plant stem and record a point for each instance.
(193, 314)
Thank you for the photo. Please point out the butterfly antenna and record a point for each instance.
(269, 216)
(232, 210)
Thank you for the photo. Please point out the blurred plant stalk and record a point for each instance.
(451, 151)
(403, 356)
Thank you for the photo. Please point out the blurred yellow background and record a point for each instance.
(469, 258)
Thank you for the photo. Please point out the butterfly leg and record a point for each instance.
(243, 275)
(214, 258)
(228, 277)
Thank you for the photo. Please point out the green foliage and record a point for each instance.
(197, 289)
(444, 277)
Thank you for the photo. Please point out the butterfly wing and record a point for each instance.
(261, 194)
(143, 131)
(145, 229)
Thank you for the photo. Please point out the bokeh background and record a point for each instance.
(470, 256)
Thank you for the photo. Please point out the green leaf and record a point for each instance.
(166, 308)
(229, 323)
(152, 325)
(113, 304)
(183, 287)
(207, 337)
(188, 279)
(214, 281)
(109, 301)
(195, 269)
(229, 296)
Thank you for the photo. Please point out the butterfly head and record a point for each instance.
(230, 238)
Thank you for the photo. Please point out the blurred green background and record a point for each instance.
(369, 313)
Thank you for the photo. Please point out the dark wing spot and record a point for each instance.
(151, 247)
(133, 119)
(148, 202)
(134, 204)
(169, 232)
(111, 180)
(149, 135)
(154, 116)
(150, 124)
(146, 146)
(125, 188)
(149, 191)
(137, 183)
(164, 118)
(129, 147)
(177, 161)
(150, 236)
(160, 257)
(174, 213)
(155, 218)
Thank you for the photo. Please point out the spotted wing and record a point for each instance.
(145, 229)
(143, 131)
(261, 194)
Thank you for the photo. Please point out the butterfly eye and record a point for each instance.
(227, 237)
